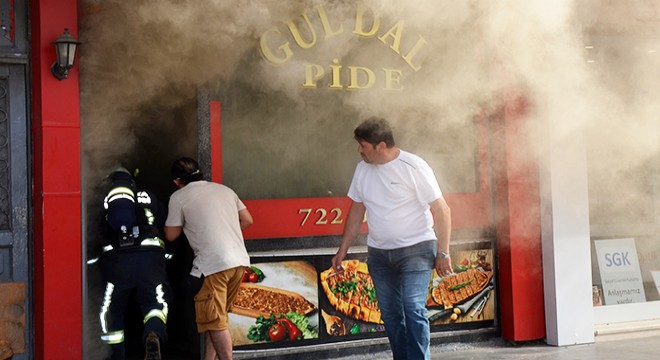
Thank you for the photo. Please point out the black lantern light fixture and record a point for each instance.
(65, 47)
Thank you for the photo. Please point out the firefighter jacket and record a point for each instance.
(133, 218)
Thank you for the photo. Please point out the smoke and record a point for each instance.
(587, 67)
(136, 54)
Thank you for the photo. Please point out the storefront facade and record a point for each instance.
(277, 128)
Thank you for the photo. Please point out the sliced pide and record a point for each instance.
(257, 300)
(352, 292)
(460, 287)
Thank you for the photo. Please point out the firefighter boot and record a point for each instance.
(152, 347)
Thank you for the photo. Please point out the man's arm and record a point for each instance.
(442, 227)
(245, 218)
(351, 229)
(172, 232)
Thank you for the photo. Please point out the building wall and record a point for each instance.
(57, 201)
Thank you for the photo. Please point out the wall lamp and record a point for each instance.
(65, 47)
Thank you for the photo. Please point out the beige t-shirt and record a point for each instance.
(208, 213)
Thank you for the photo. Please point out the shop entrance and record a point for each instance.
(297, 230)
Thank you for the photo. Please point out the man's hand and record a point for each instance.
(336, 261)
(351, 228)
(442, 226)
(443, 266)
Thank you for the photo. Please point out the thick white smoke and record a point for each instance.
(584, 66)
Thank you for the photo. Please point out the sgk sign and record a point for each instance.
(619, 271)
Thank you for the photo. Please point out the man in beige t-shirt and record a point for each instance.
(212, 217)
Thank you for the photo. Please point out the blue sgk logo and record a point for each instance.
(617, 259)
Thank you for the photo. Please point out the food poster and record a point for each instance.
(467, 295)
(277, 305)
(349, 306)
(323, 305)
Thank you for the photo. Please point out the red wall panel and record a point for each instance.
(56, 169)
(522, 310)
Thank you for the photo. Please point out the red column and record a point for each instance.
(56, 164)
(518, 224)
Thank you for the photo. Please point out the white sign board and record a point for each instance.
(619, 271)
(656, 279)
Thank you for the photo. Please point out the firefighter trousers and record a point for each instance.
(141, 273)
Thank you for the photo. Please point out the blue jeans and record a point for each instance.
(401, 278)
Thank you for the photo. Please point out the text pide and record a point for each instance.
(278, 46)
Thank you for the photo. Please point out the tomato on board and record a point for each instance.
(277, 332)
(246, 275)
(253, 278)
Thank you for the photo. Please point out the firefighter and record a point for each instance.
(133, 264)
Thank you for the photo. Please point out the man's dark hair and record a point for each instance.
(186, 170)
(374, 130)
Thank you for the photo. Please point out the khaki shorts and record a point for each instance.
(215, 299)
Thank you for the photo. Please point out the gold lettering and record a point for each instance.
(268, 54)
(392, 77)
(322, 219)
(277, 50)
(354, 84)
(313, 72)
(298, 37)
(306, 212)
(395, 33)
(359, 28)
(323, 216)
(326, 23)
(411, 54)
(336, 72)
(359, 77)
(337, 220)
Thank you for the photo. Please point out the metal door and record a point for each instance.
(15, 275)
(14, 254)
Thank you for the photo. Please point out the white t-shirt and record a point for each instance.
(397, 196)
(208, 213)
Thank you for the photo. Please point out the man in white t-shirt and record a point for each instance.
(406, 241)
(212, 217)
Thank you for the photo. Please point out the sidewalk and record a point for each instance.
(647, 347)
(638, 348)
